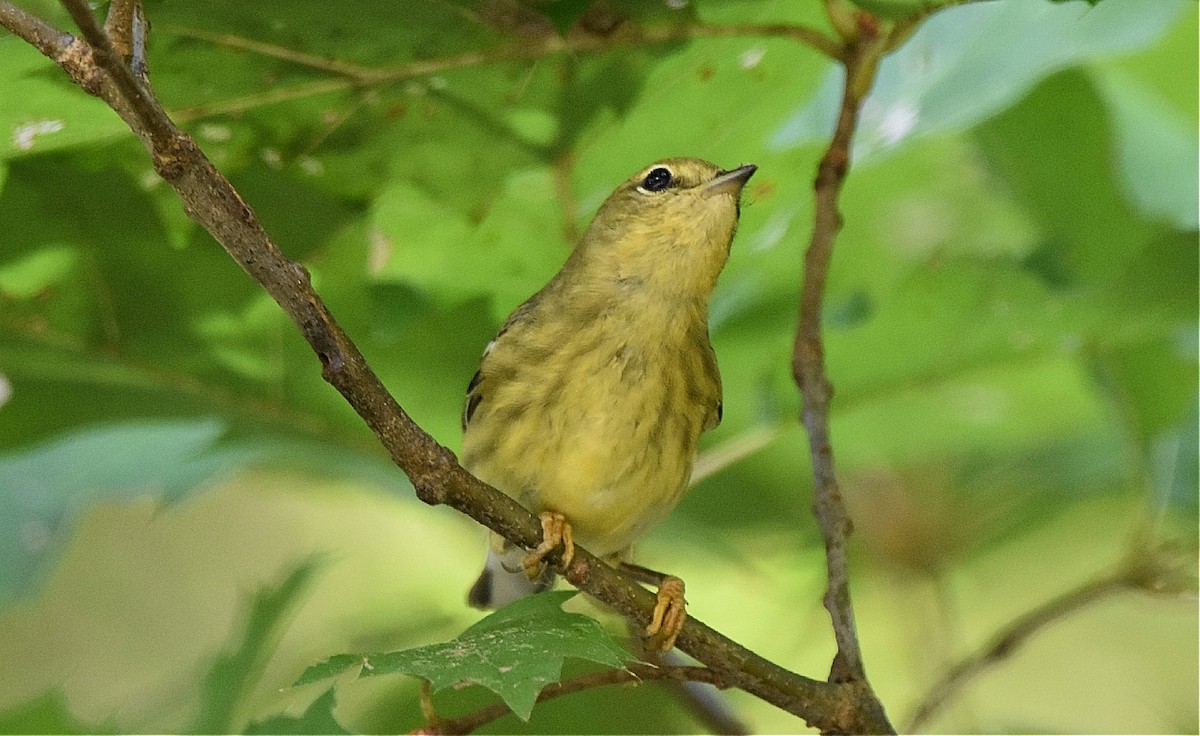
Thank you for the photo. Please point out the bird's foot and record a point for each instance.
(556, 532)
(669, 614)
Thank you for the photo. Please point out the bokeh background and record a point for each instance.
(189, 516)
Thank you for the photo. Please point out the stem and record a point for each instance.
(808, 361)
(141, 102)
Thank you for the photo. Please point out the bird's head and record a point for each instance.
(669, 226)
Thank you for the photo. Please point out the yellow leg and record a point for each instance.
(556, 532)
(669, 614)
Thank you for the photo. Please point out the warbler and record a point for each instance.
(588, 405)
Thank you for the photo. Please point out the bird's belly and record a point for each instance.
(614, 495)
(613, 474)
(608, 440)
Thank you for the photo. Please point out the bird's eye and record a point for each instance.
(657, 180)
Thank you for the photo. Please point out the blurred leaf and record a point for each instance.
(47, 714)
(233, 674)
(1175, 470)
(43, 110)
(514, 652)
(317, 719)
(967, 63)
(505, 252)
(43, 488)
(1084, 219)
(1157, 151)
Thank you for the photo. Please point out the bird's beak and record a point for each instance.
(731, 181)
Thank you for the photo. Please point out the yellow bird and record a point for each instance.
(588, 405)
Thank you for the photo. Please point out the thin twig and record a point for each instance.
(1009, 638)
(632, 674)
(563, 166)
(211, 200)
(1162, 569)
(266, 97)
(141, 102)
(434, 723)
(119, 26)
(550, 44)
(312, 61)
(808, 356)
(354, 75)
(736, 448)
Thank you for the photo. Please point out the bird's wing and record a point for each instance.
(476, 388)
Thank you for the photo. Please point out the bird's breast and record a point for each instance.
(604, 431)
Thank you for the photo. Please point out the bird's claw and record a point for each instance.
(556, 532)
(669, 614)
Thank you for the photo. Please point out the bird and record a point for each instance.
(588, 405)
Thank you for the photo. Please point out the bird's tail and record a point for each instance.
(503, 581)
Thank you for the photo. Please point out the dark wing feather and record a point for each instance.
(475, 387)
(474, 396)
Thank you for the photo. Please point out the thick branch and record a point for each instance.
(34, 31)
(436, 476)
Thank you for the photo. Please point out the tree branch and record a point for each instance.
(1163, 570)
(212, 201)
(108, 58)
(39, 34)
(1008, 640)
(547, 45)
(126, 26)
(119, 26)
(863, 50)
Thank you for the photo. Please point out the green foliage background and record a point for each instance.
(189, 516)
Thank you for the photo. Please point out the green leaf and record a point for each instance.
(232, 676)
(1081, 221)
(44, 488)
(48, 713)
(1156, 151)
(967, 63)
(43, 110)
(506, 252)
(318, 718)
(514, 652)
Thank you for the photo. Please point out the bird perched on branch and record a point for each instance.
(588, 406)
